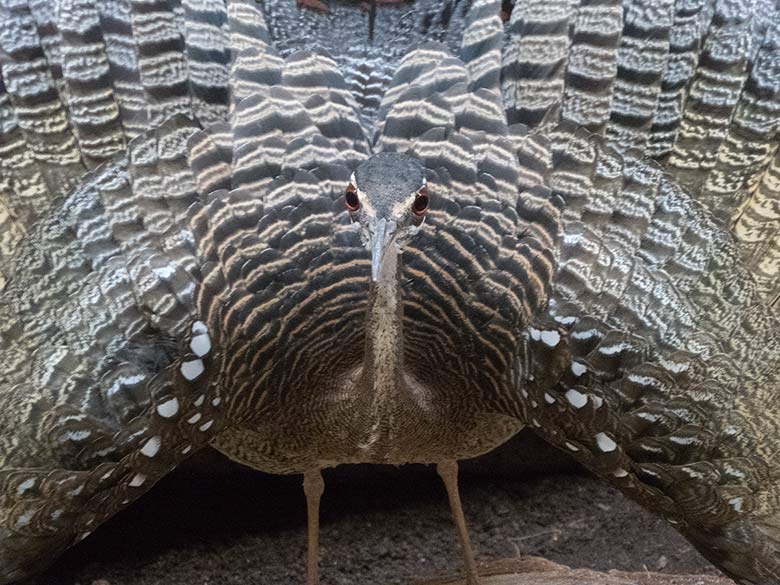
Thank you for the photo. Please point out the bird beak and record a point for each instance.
(381, 240)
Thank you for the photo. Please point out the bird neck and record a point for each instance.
(383, 357)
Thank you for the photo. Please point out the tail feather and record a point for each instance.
(208, 56)
(92, 108)
(685, 42)
(693, 85)
(642, 56)
(713, 95)
(117, 25)
(592, 64)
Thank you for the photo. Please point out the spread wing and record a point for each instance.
(696, 87)
(124, 316)
(654, 360)
(664, 334)
(79, 80)
(102, 351)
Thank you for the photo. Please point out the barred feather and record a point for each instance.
(199, 285)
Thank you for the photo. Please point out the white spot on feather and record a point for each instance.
(200, 400)
(736, 503)
(77, 435)
(620, 472)
(192, 369)
(613, 349)
(551, 338)
(567, 320)
(24, 519)
(572, 447)
(648, 416)
(217, 401)
(578, 369)
(199, 328)
(26, 485)
(605, 443)
(692, 472)
(121, 382)
(201, 344)
(138, 480)
(587, 334)
(652, 449)
(206, 425)
(194, 418)
(536, 335)
(643, 380)
(169, 408)
(549, 398)
(152, 447)
(576, 399)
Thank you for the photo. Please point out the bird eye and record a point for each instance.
(351, 199)
(421, 202)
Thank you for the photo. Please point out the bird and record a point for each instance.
(315, 270)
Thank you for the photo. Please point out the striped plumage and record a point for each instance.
(207, 285)
(693, 84)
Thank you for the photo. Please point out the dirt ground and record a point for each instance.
(379, 526)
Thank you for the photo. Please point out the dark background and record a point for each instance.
(216, 523)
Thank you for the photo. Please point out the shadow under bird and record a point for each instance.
(317, 281)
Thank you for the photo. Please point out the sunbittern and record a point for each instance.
(322, 279)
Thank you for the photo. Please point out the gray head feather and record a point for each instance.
(388, 178)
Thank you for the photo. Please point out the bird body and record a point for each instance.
(367, 405)
(315, 277)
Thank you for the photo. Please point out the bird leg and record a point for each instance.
(448, 471)
(313, 487)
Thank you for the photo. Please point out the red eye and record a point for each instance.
(351, 199)
(421, 202)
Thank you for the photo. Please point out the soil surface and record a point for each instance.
(379, 526)
(538, 571)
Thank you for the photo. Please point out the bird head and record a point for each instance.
(388, 198)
